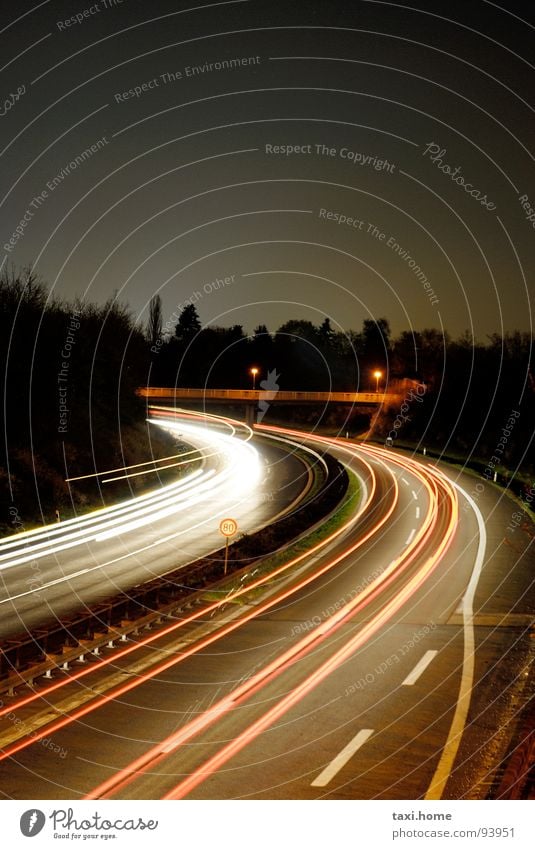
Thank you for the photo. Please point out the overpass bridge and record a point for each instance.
(260, 399)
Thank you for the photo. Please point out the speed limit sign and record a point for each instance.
(228, 527)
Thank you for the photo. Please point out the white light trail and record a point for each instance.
(237, 473)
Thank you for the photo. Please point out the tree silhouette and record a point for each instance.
(154, 324)
(188, 325)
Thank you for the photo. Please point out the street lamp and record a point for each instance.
(378, 375)
(254, 372)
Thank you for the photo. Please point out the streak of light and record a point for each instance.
(88, 519)
(239, 476)
(292, 698)
(304, 646)
(57, 725)
(129, 773)
(158, 469)
(133, 466)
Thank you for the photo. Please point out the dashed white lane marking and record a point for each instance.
(419, 669)
(405, 481)
(414, 495)
(417, 512)
(410, 537)
(342, 758)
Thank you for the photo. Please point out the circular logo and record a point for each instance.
(32, 822)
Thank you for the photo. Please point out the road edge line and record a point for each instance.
(443, 770)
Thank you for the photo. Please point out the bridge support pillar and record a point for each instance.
(250, 411)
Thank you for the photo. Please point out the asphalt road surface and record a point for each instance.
(72, 564)
(390, 663)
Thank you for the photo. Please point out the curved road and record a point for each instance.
(50, 572)
(347, 677)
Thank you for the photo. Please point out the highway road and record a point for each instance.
(49, 572)
(388, 662)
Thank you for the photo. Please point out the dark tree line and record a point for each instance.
(71, 371)
(473, 389)
(305, 355)
(471, 386)
(70, 407)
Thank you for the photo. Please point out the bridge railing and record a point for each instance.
(265, 395)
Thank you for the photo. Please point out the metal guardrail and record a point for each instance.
(105, 639)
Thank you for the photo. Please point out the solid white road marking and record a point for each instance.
(410, 537)
(445, 764)
(419, 669)
(342, 758)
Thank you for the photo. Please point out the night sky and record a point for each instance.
(275, 160)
